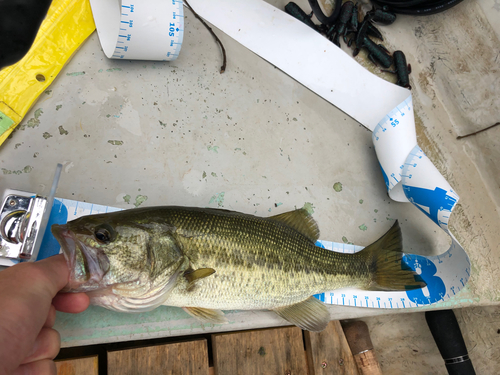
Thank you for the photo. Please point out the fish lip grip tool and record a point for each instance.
(23, 220)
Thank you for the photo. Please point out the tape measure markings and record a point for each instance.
(145, 30)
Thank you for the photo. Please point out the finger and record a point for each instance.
(47, 346)
(27, 290)
(71, 302)
(43, 367)
(51, 317)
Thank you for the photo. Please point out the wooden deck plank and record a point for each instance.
(328, 352)
(264, 352)
(176, 358)
(79, 366)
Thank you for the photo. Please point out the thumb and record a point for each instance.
(27, 290)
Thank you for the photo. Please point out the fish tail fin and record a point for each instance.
(385, 263)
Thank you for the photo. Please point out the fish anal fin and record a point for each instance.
(200, 273)
(206, 315)
(301, 221)
(310, 315)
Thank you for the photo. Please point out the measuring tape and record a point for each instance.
(410, 177)
(139, 30)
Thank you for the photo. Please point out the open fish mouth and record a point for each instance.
(87, 266)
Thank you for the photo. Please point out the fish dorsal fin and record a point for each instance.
(301, 221)
(311, 314)
(193, 275)
(206, 315)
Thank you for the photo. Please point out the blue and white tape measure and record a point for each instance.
(139, 30)
(410, 177)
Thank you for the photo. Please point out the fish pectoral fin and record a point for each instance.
(206, 315)
(301, 221)
(200, 273)
(310, 315)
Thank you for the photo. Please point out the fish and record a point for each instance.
(207, 260)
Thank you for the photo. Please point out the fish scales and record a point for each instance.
(259, 263)
(206, 260)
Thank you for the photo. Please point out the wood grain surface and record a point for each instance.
(264, 352)
(79, 366)
(184, 358)
(328, 352)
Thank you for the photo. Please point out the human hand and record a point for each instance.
(28, 304)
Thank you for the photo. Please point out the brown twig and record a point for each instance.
(223, 67)
(479, 131)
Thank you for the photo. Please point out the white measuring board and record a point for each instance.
(139, 30)
(315, 62)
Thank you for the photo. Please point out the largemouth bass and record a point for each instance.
(208, 260)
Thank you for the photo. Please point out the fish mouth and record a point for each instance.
(87, 266)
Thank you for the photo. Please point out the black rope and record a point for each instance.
(322, 17)
(417, 7)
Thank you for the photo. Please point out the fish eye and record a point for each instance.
(104, 233)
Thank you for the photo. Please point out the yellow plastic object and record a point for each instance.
(67, 25)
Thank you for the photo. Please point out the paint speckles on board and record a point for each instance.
(74, 74)
(126, 198)
(115, 142)
(113, 69)
(34, 121)
(58, 107)
(140, 199)
(345, 240)
(26, 169)
(309, 207)
(363, 227)
(218, 198)
(361, 201)
(213, 148)
(337, 187)
(62, 131)
(47, 135)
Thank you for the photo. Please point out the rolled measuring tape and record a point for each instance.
(139, 30)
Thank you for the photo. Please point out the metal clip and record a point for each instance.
(21, 216)
(23, 220)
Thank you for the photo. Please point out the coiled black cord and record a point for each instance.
(417, 7)
(323, 18)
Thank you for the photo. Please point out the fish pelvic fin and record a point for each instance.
(301, 221)
(385, 263)
(206, 315)
(310, 315)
